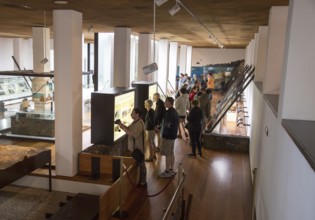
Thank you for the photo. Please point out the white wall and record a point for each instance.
(6, 51)
(299, 63)
(207, 56)
(285, 180)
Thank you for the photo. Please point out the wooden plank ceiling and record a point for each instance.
(233, 22)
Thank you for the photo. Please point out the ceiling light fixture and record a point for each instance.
(174, 9)
(160, 2)
(91, 29)
(61, 2)
(214, 39)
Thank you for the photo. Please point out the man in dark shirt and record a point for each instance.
(158, 117)
(169, 134)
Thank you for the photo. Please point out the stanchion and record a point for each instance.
(120, 213)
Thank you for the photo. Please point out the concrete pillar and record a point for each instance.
(172, 67)
(260, 65)
(278, 17)
(188, 59)
(18, 52)
(68, 90)
(145, 55)
(183, 59)
(121, 77)
(41, 49)
(163, 64)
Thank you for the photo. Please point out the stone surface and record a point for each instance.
(216, 141)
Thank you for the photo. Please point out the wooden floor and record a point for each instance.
(219, 183)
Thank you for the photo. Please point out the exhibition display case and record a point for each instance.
(33, 124)
(144, 90)
(106, 107)
(14, 87)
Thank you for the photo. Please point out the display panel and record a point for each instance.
(13, 88)
(236, 89)
(124, 105)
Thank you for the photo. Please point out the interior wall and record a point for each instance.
(298, 103)
(206, 56)
(285, 181)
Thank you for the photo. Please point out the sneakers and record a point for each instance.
(191, 155)
(142, 184)
(199, 154)
(167, 174)
(172, 173)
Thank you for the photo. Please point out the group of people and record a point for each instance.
(165, 124)
(194, 109)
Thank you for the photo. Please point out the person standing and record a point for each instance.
(205, 106)
(210, 82)
(195, 126)
(169, 134)
(158, 117)
(182, 105)
(135, 132)
(149, 129)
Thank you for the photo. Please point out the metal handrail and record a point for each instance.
(176, 194)
(161, 90)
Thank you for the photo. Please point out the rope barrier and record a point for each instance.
(153, 195)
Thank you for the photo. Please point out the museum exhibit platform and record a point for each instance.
(227, 129)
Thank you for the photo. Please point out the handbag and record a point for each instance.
(137, 155)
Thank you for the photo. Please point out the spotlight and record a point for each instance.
(44, 61)
(174, 9)
(160, 2)
(91, 29)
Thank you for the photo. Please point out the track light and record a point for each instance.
(44, 61)
(174, 9)
(91, 29)
(160, 2)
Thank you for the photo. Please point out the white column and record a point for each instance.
(188, 59)
(121, 77)
(260, 65)
(68, 90)
(275, 53)
(163, 64)
(18, 52)
(256, 39)
(105, 60)
(145, 55)
(182, 59)
(6, 62)
(41, 49)
(172, 66)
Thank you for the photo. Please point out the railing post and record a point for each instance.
(120, 213)
(254, 193)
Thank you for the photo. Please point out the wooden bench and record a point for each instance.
(82, 206)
